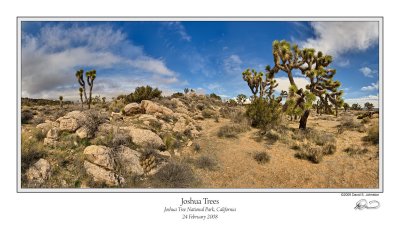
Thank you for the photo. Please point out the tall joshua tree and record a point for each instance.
(258, 84)
(61, 101)
(314, 66)
(81, 81)
(90, 76)
(81, 94)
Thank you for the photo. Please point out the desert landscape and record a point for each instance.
(287, 125)
(192, 141)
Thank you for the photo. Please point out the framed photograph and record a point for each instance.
(200, 104)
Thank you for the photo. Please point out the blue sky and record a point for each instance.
(206, 56)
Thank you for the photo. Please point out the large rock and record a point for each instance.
(102, 175)
(129, 160)
(52, 136)
(150, 108)
(83, 132)
(46, 126)
(180, 125)
(39, 172)
(146, 117)
(132, 109)
(145, 138)
(100, 155)
(71, 121)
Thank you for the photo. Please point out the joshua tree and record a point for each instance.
(82, 89)
(241, 98)
(314, 66)
(186, 90)
(61, 101)
(369, 106)
(104, 100)
(90, 76)
(346, 106)
(355, 107)
(258, 84)
(81, 94)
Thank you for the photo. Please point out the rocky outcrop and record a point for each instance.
(71, 121)
(145, 138)
(150, 108)
(132, 109)
(100, 155)
(101, 175)
(39, 172)
(129, 160)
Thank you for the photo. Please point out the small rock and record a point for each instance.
(176, 152)
(82, 132)
(39, 172)
(189, 143)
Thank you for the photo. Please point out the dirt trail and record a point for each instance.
(238, 169)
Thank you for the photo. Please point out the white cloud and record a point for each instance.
(284, 83)
(232, 64)
(180, 29)
(374, 99)
(336, 38)
(343, 62)
(50, 59)
(367, 72)
(373, 86)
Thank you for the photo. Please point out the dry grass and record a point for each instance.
(261, 157)
(356, 151)
(206, 162)
(231, 130)
(373, 134)
(175, 175)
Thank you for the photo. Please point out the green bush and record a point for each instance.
(143, 93)
(264, 113)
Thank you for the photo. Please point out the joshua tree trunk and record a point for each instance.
(303, 119)
(90, 96)
(336, 109)
(61, 104)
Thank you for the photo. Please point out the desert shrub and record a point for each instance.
(355, 151)
(225, 112)
(92, 120)
(272, 135)
(200, 106)
(261, 157)
(216, 118)
(26, 116)
(215, 96)
(31, 152)
(321, 138)
(175, 175)
(350, 124)
(167, 103)
(206, 162)
(143, 93)
(312, 154)
(263, 113)
(38, 134)
(208, 113)
(120, 139)
(329, 149)
(197, 147)
(231, 130)
(117, 105)
(155, 124)
(373, 134)
(365, 120)
(177, 95)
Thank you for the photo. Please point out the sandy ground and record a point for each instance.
(238, 169)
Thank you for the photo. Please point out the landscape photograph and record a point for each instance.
(200, 104)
